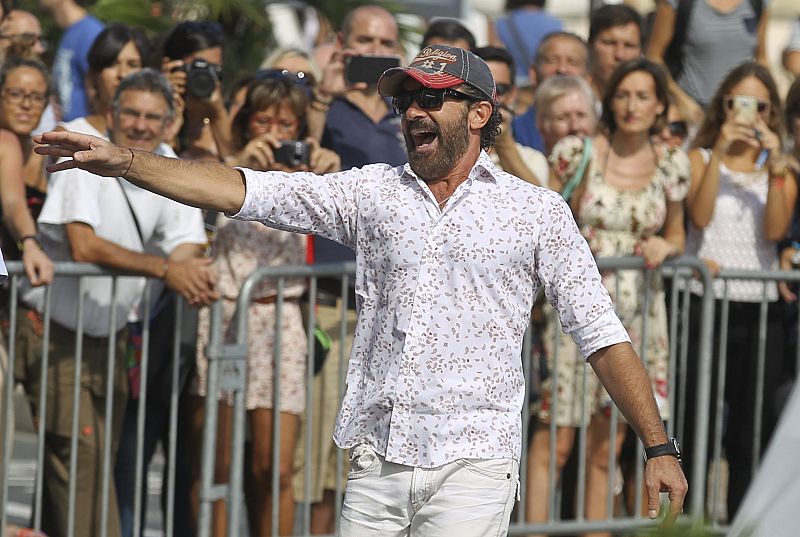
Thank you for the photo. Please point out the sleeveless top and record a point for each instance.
(734, 238)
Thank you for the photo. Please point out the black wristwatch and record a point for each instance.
(671, 448)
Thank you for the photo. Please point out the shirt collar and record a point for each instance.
(483, 169)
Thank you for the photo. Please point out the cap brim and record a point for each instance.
(391, 82)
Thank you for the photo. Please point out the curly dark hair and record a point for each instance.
(491, 130)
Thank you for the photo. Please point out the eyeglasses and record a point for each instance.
(267, 123)
(502, 89)
(427, 98)
(131, 114)
(27, 39)
(761, 106)
(17, 96)
(303, 79)
(678, 128)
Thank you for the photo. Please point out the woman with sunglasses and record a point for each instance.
(739, 205)
(627, 201)
(273, 114)
(24, 93)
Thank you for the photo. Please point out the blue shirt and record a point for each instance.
(358, 141)
(531, 26)
(71, 65)
(525, 131)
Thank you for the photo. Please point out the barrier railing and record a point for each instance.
(227, 372)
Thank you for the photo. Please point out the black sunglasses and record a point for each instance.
(427, 98)
(761, 106)
(502, 89)
(678, 128)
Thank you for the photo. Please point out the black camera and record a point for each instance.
(202, 78)
(292, 154)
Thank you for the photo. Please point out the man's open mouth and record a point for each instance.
(423, 138)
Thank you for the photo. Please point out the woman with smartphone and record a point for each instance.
(739, 205)
(269, 133)
(627, 199)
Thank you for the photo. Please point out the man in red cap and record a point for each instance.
(450, 252)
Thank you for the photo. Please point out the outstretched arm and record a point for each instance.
(624, 377)
(203, 184)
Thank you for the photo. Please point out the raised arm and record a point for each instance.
(203, 184)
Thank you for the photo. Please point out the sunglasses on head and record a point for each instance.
(761, 106)
(678, 128)
(427, 98)
(300, 78)
(204, 27)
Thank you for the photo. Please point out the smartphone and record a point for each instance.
(745, 109)
(292, 154)
(368, 68)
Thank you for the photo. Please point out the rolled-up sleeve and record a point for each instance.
(568, 273)
(325, 205)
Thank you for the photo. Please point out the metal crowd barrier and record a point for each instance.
(227, 371)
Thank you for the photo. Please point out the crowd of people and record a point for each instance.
(664, 139)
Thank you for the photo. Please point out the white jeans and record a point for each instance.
(464, 498)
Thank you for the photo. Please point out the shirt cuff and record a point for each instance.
(257, 196)
(603, 332)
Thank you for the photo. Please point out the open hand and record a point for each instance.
(89, 153)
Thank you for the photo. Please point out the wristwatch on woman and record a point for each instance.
(795, 260)
(671, 448)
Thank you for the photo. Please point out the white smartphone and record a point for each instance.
(745, 109)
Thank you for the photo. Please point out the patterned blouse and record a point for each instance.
(443, 298)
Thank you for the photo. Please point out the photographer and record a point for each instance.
(192, 61)
(274, 112)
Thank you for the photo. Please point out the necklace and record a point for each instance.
(441, 203)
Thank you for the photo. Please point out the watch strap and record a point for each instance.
(669, 448)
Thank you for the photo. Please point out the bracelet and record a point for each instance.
(21, 242)
(125, 175)
(315, 98)
(777, 181)
(164, 270)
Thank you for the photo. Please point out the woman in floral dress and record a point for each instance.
(274, 111)
(628, 201)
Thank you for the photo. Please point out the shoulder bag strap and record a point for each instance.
(576, 179)
(133, 213)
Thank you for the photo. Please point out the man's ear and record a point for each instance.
(533, 75)
(480, 114)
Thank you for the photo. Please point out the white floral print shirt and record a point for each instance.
(443, 299)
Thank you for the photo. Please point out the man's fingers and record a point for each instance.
(59, 150)
(652, 501)
(61, 166)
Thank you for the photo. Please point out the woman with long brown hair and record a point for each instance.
(739, 205)
(627, 198)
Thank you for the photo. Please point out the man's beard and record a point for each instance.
(452, 140)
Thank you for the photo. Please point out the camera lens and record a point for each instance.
(200, 83)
